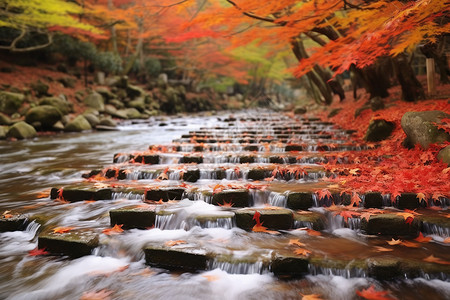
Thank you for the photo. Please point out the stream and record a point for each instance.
(117, 269)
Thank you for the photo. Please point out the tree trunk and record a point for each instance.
(412, 90)
(374, 78)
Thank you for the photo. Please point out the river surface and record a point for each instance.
(117, 269)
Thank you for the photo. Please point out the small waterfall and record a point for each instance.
(231, 174)
(208, 174)
(346, 273)
(277, 199)
(127, 196)
(337, 222)
(434, 229)
(315, 199)
(175, 175)
(258, 197)
(121, 158)
(262, 160)
(225, 223)
(240, 267)
(301, 224)
(164, 222)
(32, 227)
(387, 200)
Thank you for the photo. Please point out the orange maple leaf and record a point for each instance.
(311, 297)
(410, 244)
(211, 278)
(310, 232)
(394, 242)
(260, 228)
(302, 252)
(436, 260)
(372, 294)
(173, 243)
(296, 243)
(355, 200)
(226, 204)
(347, 214)
(422, 197)
(37, 252)
(324, 193)
(447, 240)
(62, 229)
(117, 229)
(422, 239)
(382, 249)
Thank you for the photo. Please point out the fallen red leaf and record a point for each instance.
(436, 260)
(296, 243)
(62, 229)
(302, 252)
(422, 239)
(37, 252)
(372, 294)
(117, 229)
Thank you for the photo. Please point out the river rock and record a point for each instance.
(309, 219)
(138, 104)
(420, 129)
(444, 155)
(68, 82)
(191, 175)
(106, 93)
(289, 266)
(408, 201)
(62, 105)
(190, 259)
(3, 131)
(95, 100)
(191, 159)
(373, 200)
(78, 124)
(278, 219)
(298, 201)
(46, 115)
(145, 159)
(92, 119)
(75, 243)
(237, 198)
(21, 130)
(10, 102)
(133, 217)
(40, 89)
(78, 194)
(391, 225)
(379, 130)
(108, 122)
(12, 222)
(300, 110)
(4, 119)
(131, 113)
(134, 91)
(164, 194)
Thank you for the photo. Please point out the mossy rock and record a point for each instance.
(12, 222)
(131, 113)
(78, 194)
(238, 198)
(256, 174)
(251, 148)
(277, 219)
(40, 88)
(176, 259)
(4, 119)
(108, 122)
(3, 131)
(384, 268)
(289, 266)
(299, 201)
(92, 119)
(62, 105)
(95, 100)
(165, 194)
(78, 124)
(10, 102)
(46, 115)
(133, 217)
(373, 200)
(138, 104)
(75, 243)
(391, 225)
(379, 130)
(134, 91)
(191, 175)
(21, 130)
(444, 155)
(420, 128)
(311, 220)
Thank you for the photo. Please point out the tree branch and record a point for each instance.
(23, 32)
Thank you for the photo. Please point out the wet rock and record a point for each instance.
(147, 159)
(444, 155)
(309, 219)
(256, 174)
(46, 115)
(77, 194)
(238, 198)
(384, 268)
(95, 100)
(191, 175)
(10, 102)
(78, 124)
(4, 119)
(133, 217)
(408, 200)
(299, 201)
(191, 159)
(138, 104)
(75, 243)
(92, 119)
(373, 200)
(221, 219)
(289, 266)
(176, 259)
(108, 122)
(251, 148)
(420, 129)
(62, 105)
(390, 224)
(12, 222)
(379, 130)
(21, 130)
(276, 160)
(247, 159)
(277, 219)
(376, 103)
(58, 126)
(164, 194)
(293, 147)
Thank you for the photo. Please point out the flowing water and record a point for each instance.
(117, 267)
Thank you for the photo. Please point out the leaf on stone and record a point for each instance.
(356, 200)
(372, 294)
(410, 244)
(422, 197)
(173, 243)
(423, 239)
(436, 260)
(260, 228)
(226, 204)
(348, 214)
(62, 229)
(296, 243)
(447, 240)
(117, 229)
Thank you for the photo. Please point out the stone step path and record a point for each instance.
(257, 181)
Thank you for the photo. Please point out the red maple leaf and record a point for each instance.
(373, 294)
(37, 252)
(324, 193)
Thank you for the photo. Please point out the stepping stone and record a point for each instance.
(191, 159)
(299, 201)
(408, 200)
(373, 200)
(191, 175)
(164, 194)
(133, 217)
(12, 222)
(146, 159)
(390, 224)
(186, 258)
(75, 243)
(311, 220)
(222, 219)
(277, 219)
(78, 194)
(290, 266)
(236, 198)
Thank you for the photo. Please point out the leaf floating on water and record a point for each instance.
(394, 242)
(410, 244)
(117, 229)
(296, 243)
(382, 249)
(260, 228)
(211, 278)
(372, 294)
(310, 232)
(100, 295)
(302, 252)
(62, 229)
(447, 240)
(436, 260)
(423, 239)
(38, 252)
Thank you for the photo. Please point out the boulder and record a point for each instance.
(134, 91)
(3, 131)
(78, 124)
(444, 155)
(10, 102)
(40, 89)
(95, 100)
(108, 122)
(61, 104)
(132, 113)
(106, 93)
(21, 130)
(138, 103)
(75, 243)
(379, 130)
(4, 119)
(68, 82)
(46, 115)
(420, 128)
(92, 119)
